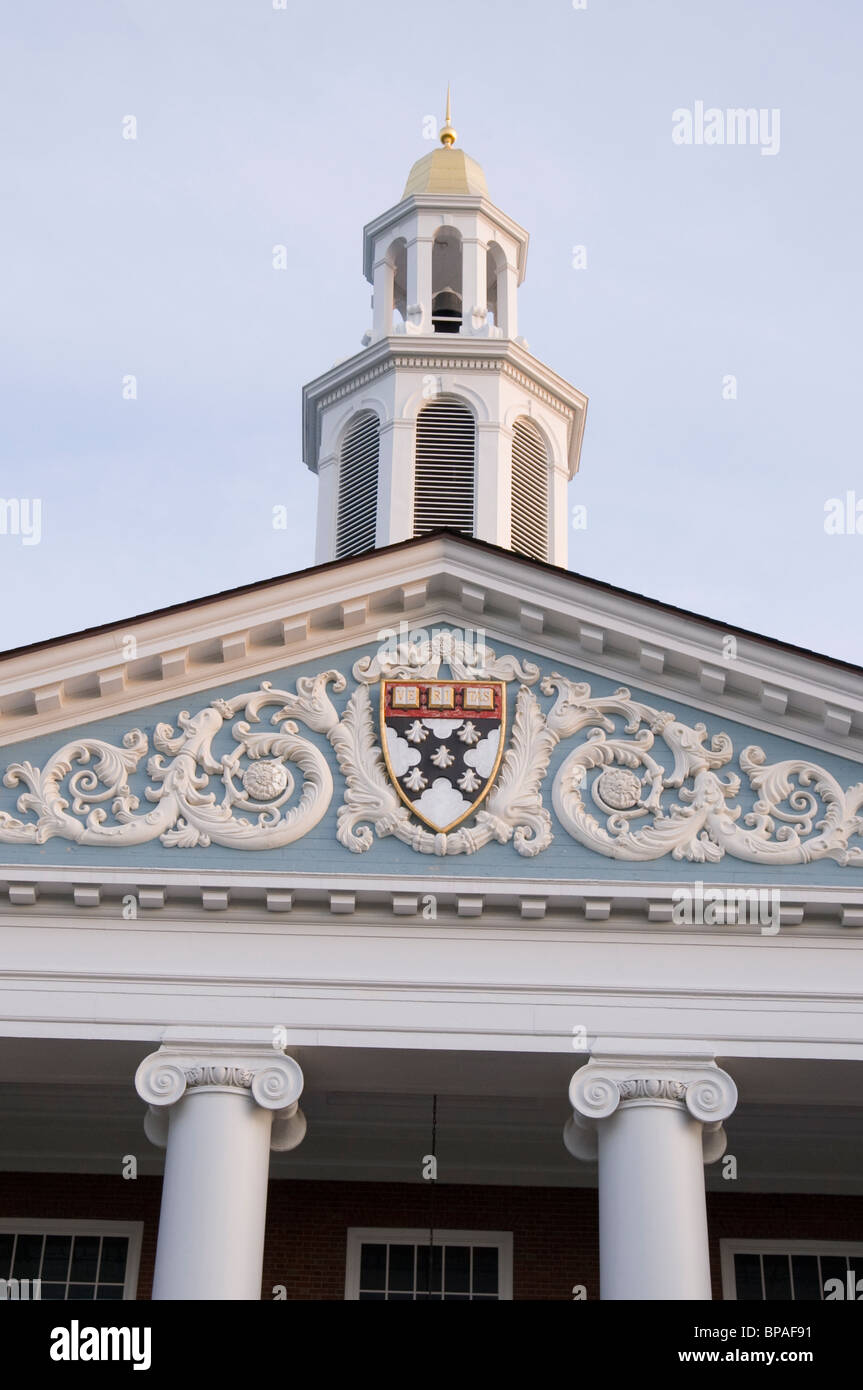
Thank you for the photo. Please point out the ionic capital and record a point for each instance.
(272, 1080)
(609, 1083)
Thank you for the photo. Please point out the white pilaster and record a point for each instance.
(493, 504)
(419, 285)
(328, 502)
(654, 1122)
(395, 506)
(558, 514)
(508, 301)
(474, 288)
(382, 321)
(219, 1111)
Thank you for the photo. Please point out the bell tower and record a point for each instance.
(445, 418)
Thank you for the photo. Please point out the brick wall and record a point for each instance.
(779, 1216)
(554, 1229)
(88, 1197)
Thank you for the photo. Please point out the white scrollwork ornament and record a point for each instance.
(611, 793)
(631, 786)
(186, 813)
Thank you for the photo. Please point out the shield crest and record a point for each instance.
(442, 743)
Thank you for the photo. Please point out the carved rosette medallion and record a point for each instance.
(265, 779)
(617, 788)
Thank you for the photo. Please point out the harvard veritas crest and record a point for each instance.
(442, 744)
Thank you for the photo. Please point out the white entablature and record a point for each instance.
(445, 419)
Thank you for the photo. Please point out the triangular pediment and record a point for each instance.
(245, 734)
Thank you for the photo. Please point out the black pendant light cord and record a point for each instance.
(431, 1199)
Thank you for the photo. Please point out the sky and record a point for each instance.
(713, 316)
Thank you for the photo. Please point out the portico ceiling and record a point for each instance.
(71, 1106)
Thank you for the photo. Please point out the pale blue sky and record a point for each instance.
(259, 126)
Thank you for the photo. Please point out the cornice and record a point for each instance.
(438, 580)
(48, 894)
(442, 352)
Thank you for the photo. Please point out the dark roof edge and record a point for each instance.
(598, 584)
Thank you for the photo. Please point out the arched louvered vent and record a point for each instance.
(358, 487)
(529, 491)
(445, 466)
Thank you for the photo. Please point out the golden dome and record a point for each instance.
(446, 170)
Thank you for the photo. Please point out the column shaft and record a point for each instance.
(214, 1198)
(652, 1209)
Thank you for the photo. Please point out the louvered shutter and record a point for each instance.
(358, 487)
(529, 491)
(445, 467)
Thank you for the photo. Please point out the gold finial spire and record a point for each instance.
(448, 134)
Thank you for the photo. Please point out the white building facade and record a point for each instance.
(503, 926)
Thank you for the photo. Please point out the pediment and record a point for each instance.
(276, 765)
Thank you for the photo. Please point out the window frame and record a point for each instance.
(358, 1236)
(49, 1226)
(731, 1246)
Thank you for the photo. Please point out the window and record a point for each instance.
(387, 1266)
(792, 1271)
(446, 281)
(529, 491)
(358, 487)
(444, 476)
(71, 1259)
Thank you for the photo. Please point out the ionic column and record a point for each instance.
(218, 1111)
(653, 1122)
